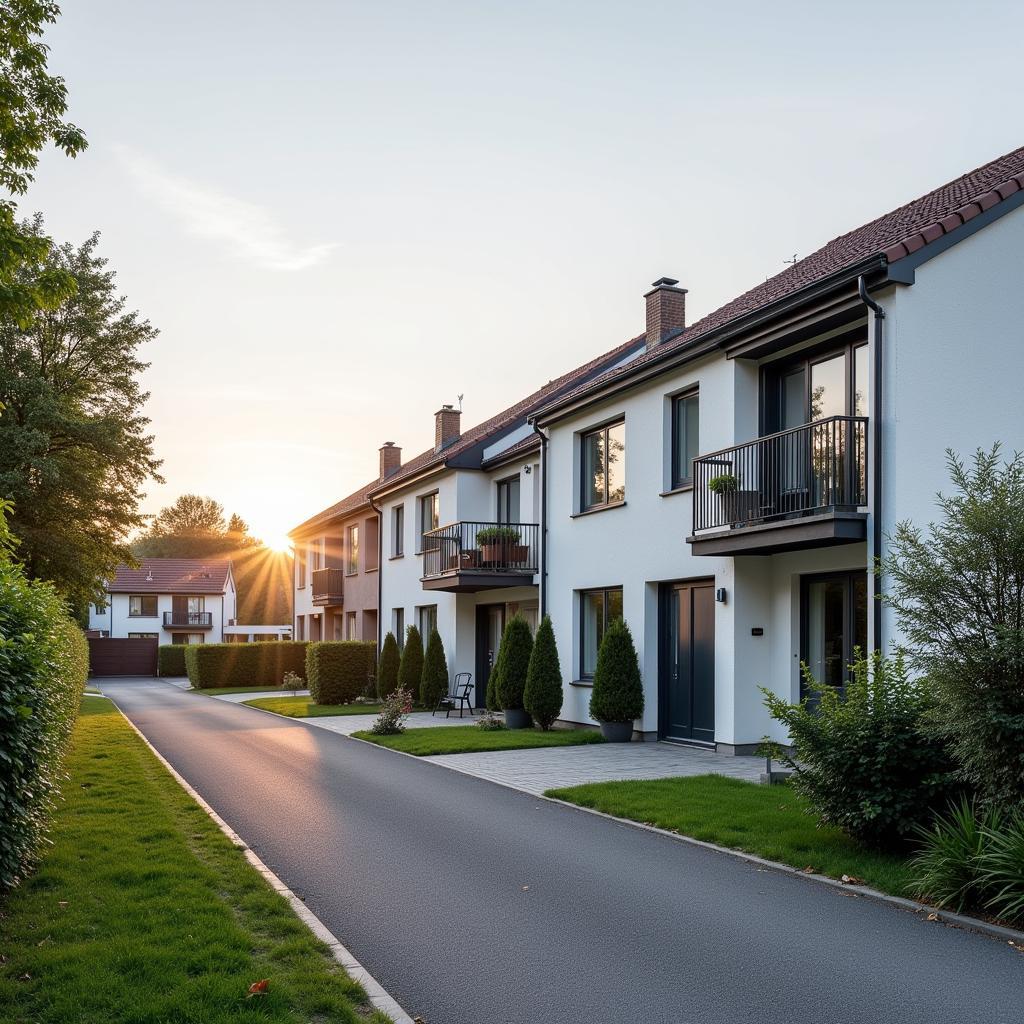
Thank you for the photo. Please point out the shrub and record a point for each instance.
(293, 681)
(542, 696)
(1002, 868)
(618, 694)
(490, 722)
(397, 707)
(491, 699)
(958, 593)
(865, 761)
(212, 666)
(515, 651)
(498, 535)
(338, 671)
(170, 660)
(434, 681)
(410, 669)
(388, 666)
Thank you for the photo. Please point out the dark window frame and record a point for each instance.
(421, 505)
(503, 492)
(585, 435)
(583, 595)
(398, 531)
(142, 613)
(352, 551)
(849, 577)
(688, 395)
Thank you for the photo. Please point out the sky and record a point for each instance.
(342, 215)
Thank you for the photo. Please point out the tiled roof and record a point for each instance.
(891, 237)
(171, 576)
(527, 444)
(353, 503)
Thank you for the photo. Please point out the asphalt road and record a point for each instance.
(475, 904)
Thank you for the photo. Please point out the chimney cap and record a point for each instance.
(388, 444)
(664, 281)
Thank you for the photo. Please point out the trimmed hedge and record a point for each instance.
(170, 660)
(618, 694)
(388, 666)
(516, 648)
(410, 669)
(542, 696)
(434, 681)
(211, 666)
(338, 671)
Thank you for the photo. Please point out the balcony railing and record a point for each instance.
(481, 549)
(191, 620)
(811, 469)
(328, 586)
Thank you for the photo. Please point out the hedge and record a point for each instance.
(44, 662)
(388, 666)
(434, 681)
(170, 660)
(338, 671)
(211, 666)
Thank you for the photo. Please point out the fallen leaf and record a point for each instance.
(525, 887)
(809, 870)
(932, 917)
(852, 880)
(259, 988)
(62, 903)
(25, 977)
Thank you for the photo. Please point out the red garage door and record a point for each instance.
(115, 657)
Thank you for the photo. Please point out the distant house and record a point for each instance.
(172, 600)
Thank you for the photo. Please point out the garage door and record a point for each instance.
(115, 657)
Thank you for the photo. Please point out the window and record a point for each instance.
(508, 500)
(142, 606)
(371, 544)
(352, 551)
(370, 626)
(337, 628)
(316, 554)
(398, 626)
(351, 630)
(598, 610)
(604, 466)
(426, 621)
(300, 566)
(100, 609)
(834, 620)
(314, 629)
(430, 514)
(187, 638)
(143, 636)
(685, 437)
(398, 531)
(300, 627)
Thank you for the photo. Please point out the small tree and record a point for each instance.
(492, 701)
(543, 694)
(388, 667)
(618, 694)
(434, 681)
(410, 670)
(516, 648)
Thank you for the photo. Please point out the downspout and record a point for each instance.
(543, 519)
(380, 574)
(876, 464)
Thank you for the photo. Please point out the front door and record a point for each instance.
(688, 664)
(490, 624)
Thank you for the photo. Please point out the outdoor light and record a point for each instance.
(720, 595)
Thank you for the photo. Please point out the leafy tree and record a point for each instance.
(74, 452)
(434, 681)
(388, 667)
(618, 694)
(410, 670)
(958, 592)
(516, 648)
(543, 694)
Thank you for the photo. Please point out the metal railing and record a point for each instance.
(481, 548)
(194, 619)
(327, 585)
(811, 468)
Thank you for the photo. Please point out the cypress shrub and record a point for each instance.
(388, 666)
(410, 669)
(338, 671)
(618, 694)
(516, 648)
(491, 697)
(212, 666)
(434, 681)
(170, 660)
(542, 696)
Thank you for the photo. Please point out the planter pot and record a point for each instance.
(617, 732)
(504, 553)
(517, 718)
(467, 560)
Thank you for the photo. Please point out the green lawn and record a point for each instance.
(470, 739)
(219, 691)
(770, 821)
(144, 912)
(303, 707)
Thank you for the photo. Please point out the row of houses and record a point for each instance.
(724, 485)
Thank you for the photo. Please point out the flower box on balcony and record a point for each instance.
(499, 545)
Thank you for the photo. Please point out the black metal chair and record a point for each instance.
(457, 696)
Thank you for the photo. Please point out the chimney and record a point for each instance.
(666, 310)
(446, 426)
(390, 459)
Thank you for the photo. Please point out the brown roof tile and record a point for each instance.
(171, 576)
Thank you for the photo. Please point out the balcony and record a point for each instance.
(801, 488)
(466, 557)
(188, 620)
(327, 586)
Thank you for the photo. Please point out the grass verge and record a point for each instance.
(470, 739)
(143, 911)
(769, 821)
(220, 691)
(303, 707)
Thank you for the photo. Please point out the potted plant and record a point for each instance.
(617, 699)
(499, 545)
(726, 486)
(514, 656)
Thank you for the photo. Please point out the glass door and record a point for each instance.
(835, 624)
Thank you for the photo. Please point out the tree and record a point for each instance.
(542, 696)
(491, 698)
(193, 527)
(434, 681)
(74, 452)
(388, 667)
(410, 670)
(618, 694)
(516, 648)
(958, 592)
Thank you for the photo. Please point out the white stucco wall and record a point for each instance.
(118, 623)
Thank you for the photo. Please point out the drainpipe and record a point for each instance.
(380, 574)
(543, 518)
(876, 464)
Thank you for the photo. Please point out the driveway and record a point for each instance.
(475, 904)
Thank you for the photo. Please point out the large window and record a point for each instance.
(398, 626)
(834, 624)
(508, 500)
(398, 531)
(142, 606)
(430, 515)
(352, 551)
(143, 636)
(351, 626)
(426, 621)
(598, 610)
(685, 437)
(604, 466)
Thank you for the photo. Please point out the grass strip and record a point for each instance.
(219, 691)
(470, 739)
(303, 707)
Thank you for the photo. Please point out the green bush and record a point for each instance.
(516, 648)
(388, 666)
(542, 696)
(491, 700)
(866, 761)
(618, 694)
(434, 681)
(212, 666)
(170, 660)
(1002, 869)
(338, 671)
(410, 669)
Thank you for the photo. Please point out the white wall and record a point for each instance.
(117, 622)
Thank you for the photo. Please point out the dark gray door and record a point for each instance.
(490, 624)
(688, 706)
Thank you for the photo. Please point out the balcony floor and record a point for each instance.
(471, 581)
(825, 529)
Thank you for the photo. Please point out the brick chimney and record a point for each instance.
(390, 459)
(666, 310)
(446, 426)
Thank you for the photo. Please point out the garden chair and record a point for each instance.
(457, 696)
